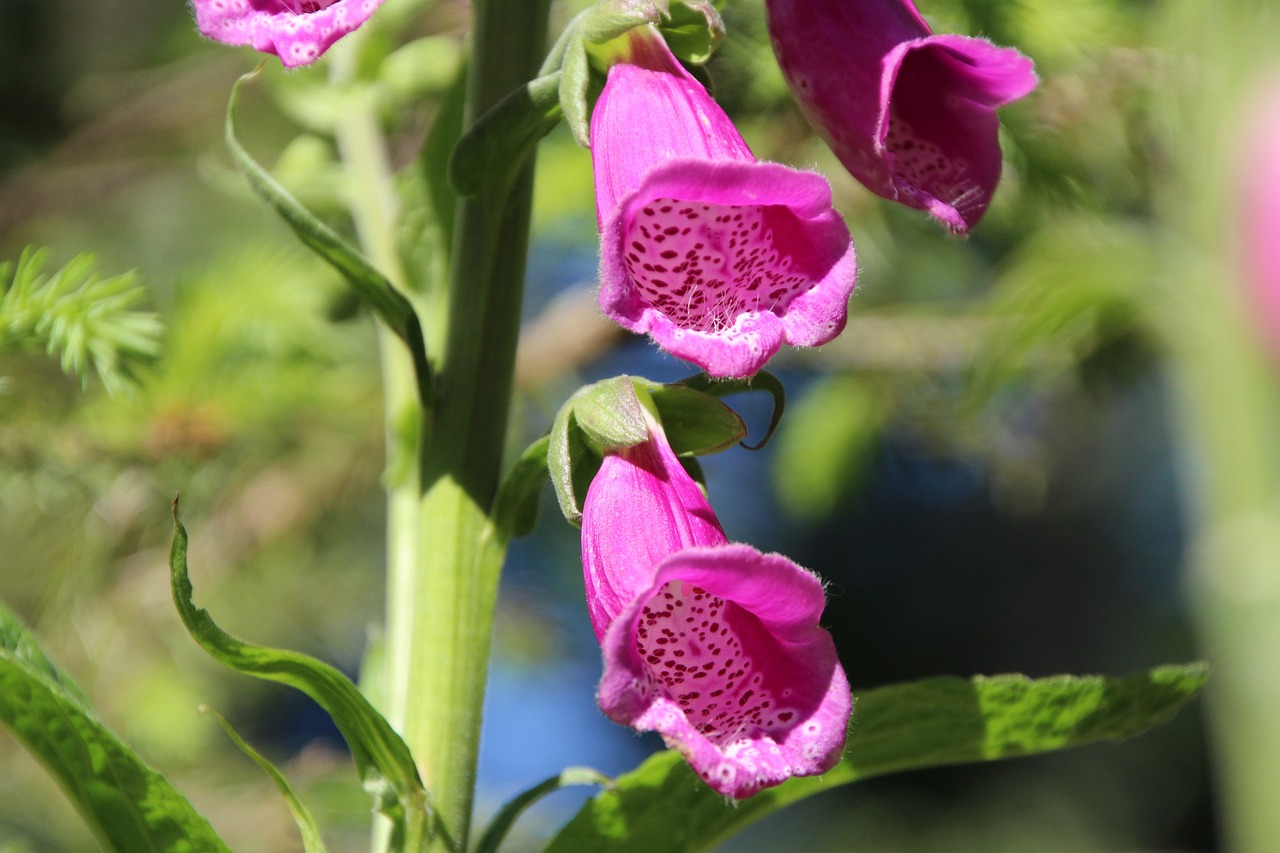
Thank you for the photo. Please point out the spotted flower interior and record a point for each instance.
(714, 659)
(723, 656)
(703, 264)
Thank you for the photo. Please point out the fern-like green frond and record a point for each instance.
(82, 319)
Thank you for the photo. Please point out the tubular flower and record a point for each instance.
(713, 645)
(910, 114)
(718, 257)
(297, 31)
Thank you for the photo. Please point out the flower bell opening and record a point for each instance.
(910, 114)
(718, 257)
(723, 656)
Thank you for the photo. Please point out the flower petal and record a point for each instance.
(939, 132)
(641, 507)
(1256, 208)
(723, 656)
(298, 31)
(911, 115)
(652, 110)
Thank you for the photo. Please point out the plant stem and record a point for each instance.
(372, 201)
(460, 555)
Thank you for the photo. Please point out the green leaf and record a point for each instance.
(495, 148)
(929, 723)
(605, 20)
(312, 842)
(130, 807)
(391, 306)
(381, 757)
(515, 509)
(434, 159)
(610, 414)
(598, 417)
(762, 381)
(692, 29)
(427, 196)
(506, 817)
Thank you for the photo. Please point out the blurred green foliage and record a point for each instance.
(85, 320)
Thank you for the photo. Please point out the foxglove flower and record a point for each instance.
(718, 257)
(713, 645)
(297, 31)
(1257, 207)
(910, 114)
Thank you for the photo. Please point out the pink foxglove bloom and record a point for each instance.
(713, 645)
(718, 257)
(297, 31)
(1258, 208)
(910, 114)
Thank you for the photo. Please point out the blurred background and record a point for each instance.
(999, 467)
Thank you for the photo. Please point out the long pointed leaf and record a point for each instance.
(381, 756)
(312, 841)
(506, 817)
(371, 285)
(929, 723)
(130, 807)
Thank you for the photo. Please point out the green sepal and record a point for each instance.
(600, 417)
(382, 759)
(694, 422)
(928, 723)
(575, 84)
(494, 149)
(572, 463)
(693, 29)
(312, 841)
(128, 806)
(610, 414)
(762, 381)
(506, 817)
(372, 286)
(606, 20)
(515, 509)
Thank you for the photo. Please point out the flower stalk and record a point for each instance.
(459, 560)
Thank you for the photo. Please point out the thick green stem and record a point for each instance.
(459, 555)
